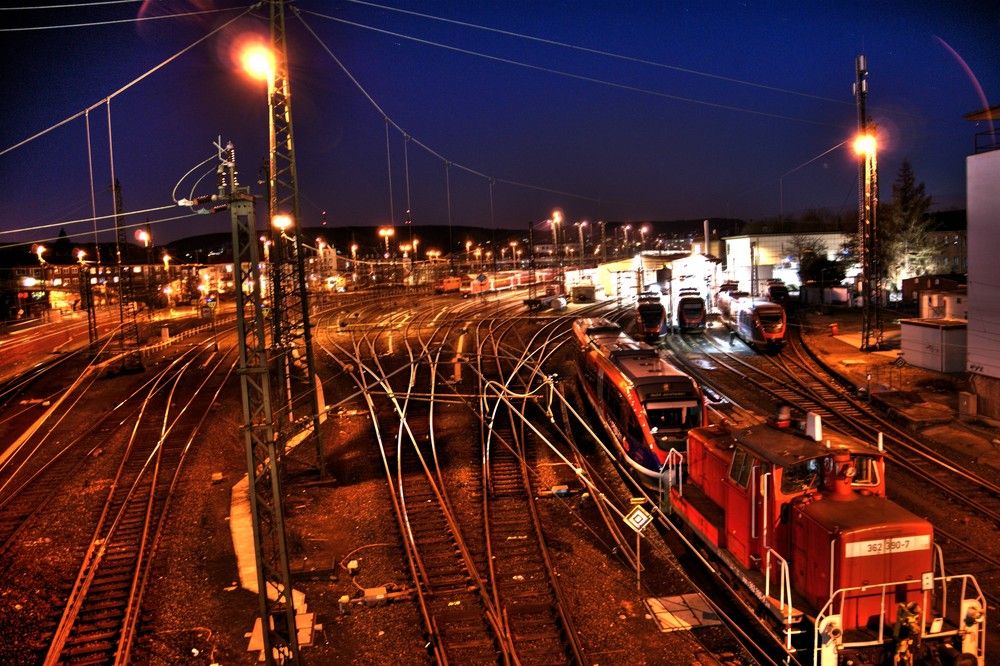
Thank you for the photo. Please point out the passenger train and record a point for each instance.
(801, 521)
(646, 404)
(651, 317)
(691, 313)
(758, 322)
(475, 284)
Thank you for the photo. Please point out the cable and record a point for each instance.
(127, 85)
(427, 148)
(608, 54)
(70, 6)
(116, 22)
(579, 77)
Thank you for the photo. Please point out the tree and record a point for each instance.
(903, 229)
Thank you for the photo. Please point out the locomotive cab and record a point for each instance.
(804, 522)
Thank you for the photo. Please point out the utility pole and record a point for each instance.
(260, 434)
(868, 236)
(128, 332)
(291, 341)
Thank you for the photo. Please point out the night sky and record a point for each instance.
(608, 111)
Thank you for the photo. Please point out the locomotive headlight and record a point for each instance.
(973, 615)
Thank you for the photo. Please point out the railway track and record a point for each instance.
(103, 610)
(523, 578)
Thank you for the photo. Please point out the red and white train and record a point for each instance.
(475, 284)
(758, 322)
(646, 404)
(801, 520)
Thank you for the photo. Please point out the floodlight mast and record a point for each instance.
(868, 236)
(261, 437)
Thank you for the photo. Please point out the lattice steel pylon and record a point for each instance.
(274, 582)
(868, 236)
(128, 330)
(302, 411)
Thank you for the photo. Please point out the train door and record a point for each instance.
(738, 506)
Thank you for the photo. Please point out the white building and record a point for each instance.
(983, 206)
(771, 255)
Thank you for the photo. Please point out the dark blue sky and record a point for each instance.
(616, 111)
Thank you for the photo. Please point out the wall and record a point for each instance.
(983, 204)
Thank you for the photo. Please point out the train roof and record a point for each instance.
(784, 447)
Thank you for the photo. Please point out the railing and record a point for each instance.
(784, 591)
(967, 618)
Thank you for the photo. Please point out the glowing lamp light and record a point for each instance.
(282, 222)
(258, 61)
(864, 144)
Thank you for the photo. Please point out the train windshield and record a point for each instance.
(672, 416)
(770, 320)
(802, 476)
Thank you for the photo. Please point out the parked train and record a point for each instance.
(842, 574)
(726, 298)
(447, 285)
(691, 313)
(777, 292)
(475, 284)
(646, 404)
(758, 322)
(651, 317)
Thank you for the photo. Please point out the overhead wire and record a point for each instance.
(600, 52)
(400, 129)
(578, 77)
(94, 24)
(106, 100)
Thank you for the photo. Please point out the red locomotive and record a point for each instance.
(843, 574)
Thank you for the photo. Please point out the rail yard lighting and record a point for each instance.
(143, 237)
(865, 144)
(267, 248)
(386, 233)
(282, 222)
(354, 252)
(259, 63)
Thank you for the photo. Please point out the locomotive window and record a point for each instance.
(801, 476)
(769, 318)
(667, 415)
(739, 470)
(867, 471)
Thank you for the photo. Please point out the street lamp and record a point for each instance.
(643, 230)
(386, 233)
(580, 225)
(39, 251)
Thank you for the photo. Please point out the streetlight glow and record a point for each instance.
(259, 62)
(865, 144)
(281, 222)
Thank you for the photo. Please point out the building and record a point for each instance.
(983, 209)
(753, 259)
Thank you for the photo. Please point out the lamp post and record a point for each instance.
(39, 251)
(583, 248)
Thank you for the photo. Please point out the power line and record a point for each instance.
(608, 54)
(578, 77)
(137, 19)
(70, 6)
(431, 151)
